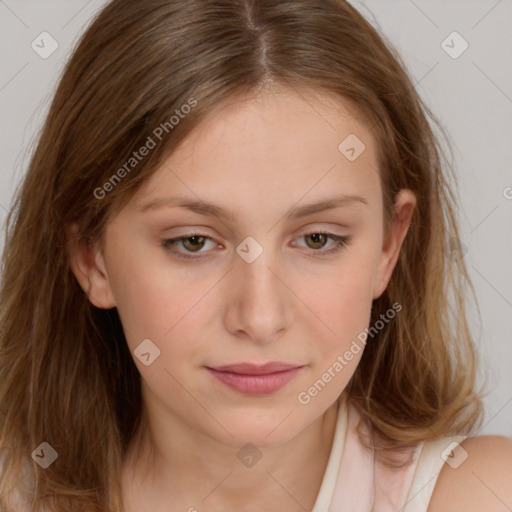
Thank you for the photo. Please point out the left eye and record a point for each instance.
(194, 242)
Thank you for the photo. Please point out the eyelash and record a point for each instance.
(340, 243)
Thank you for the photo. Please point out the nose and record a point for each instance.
(260, 304)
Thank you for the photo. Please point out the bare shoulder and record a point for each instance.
(479, 478)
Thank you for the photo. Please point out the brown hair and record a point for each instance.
(66, 374)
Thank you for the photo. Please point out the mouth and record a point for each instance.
(254, 379)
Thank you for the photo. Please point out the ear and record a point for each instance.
(88, 265)
(405, 202)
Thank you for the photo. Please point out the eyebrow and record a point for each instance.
(206, 208)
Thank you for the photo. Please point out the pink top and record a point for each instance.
(355, 482)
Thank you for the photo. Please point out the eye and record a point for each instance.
(320, 238)
(194, 242)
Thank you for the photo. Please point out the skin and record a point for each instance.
(481, 482)
(258, 157)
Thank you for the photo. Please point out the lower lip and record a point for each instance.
(255, 384)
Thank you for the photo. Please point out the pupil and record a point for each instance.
(194, 240)
(315, 237)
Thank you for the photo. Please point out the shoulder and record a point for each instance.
(478, 478)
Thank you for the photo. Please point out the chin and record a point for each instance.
(246, 436)
(260, 429)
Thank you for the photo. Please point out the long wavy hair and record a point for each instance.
(66, 375)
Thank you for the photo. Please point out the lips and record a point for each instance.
(253, 369)
(254, 379)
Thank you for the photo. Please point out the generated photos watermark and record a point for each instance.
(305, 397)
(139, 155)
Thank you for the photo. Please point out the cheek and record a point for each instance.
(165, 304)
(342, 306)
(153, 308)
(336, 334)
(343, 297)
(144, 307)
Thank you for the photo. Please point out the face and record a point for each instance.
(263, 277)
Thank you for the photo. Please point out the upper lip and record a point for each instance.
(255, 369)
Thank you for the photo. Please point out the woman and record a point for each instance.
(306, 358)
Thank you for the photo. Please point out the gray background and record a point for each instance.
(470, 94)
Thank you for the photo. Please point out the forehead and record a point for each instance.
(276, 146)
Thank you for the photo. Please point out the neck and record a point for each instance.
(191, 468)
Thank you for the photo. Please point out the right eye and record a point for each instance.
(193, 241)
